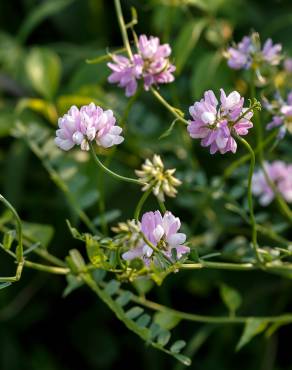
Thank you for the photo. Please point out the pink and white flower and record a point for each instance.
(282, 114)
(90, 123)
(216, 124)
(280, 174)
(248, 53)
(150, 63)
(162, 232)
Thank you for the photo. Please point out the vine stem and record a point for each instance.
(123, 28)
(250, 201)
(50, 269)
(109, 172)
(141, 203)
(161, 206)
(19, 248)
(171, 109)
(232, 167)
(287, 318)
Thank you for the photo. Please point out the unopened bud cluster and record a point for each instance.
(155, 176)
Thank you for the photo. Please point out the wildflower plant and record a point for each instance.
(157, 241)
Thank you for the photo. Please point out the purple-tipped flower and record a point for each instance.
(157, 68)
(125, 72)
(80, 126)
(280, 174)
(248, 53)
(161, 232)
(240, 56)
(282, 114)
(216, 124)
(150, 63)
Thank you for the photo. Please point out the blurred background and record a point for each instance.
(44, 45)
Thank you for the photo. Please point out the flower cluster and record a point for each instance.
(215, 125)
(249, 54)
(160, 232)
(150, 63)
(80, 126)
(156, 177)
(280, 174)
(282, 113)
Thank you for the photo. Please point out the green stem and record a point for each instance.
(258, 127)
(101, 202)
(218, 265)
(19, 250)
(286, 318)
(141, 203)
(231, 168)
(250, 201)
(162, 206)
(56, 178)
(123, 28)
(111, 173)
(171, 109)
(51, 269)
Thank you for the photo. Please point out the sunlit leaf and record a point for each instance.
(252, 328)
(230, 297)
(167, 320)
(43, 69)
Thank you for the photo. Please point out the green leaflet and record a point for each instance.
(252, 328)
(134, 318)
(231, 298)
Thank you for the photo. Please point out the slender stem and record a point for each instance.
(256, 117)
(162, 206)
(141, 203)
(51, 269)
(250, 201)
(101, 202)
(232, 167)
(19, 250)
(108, 171)
(286, 318)
(123, 28)
(218, 265)
(39, 251)
(49, 257)
(56, 178)
(171, 109)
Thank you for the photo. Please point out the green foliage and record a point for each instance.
(135, 319)
(231, 298)
(43, 68)
(186, 41)
(252, 328)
